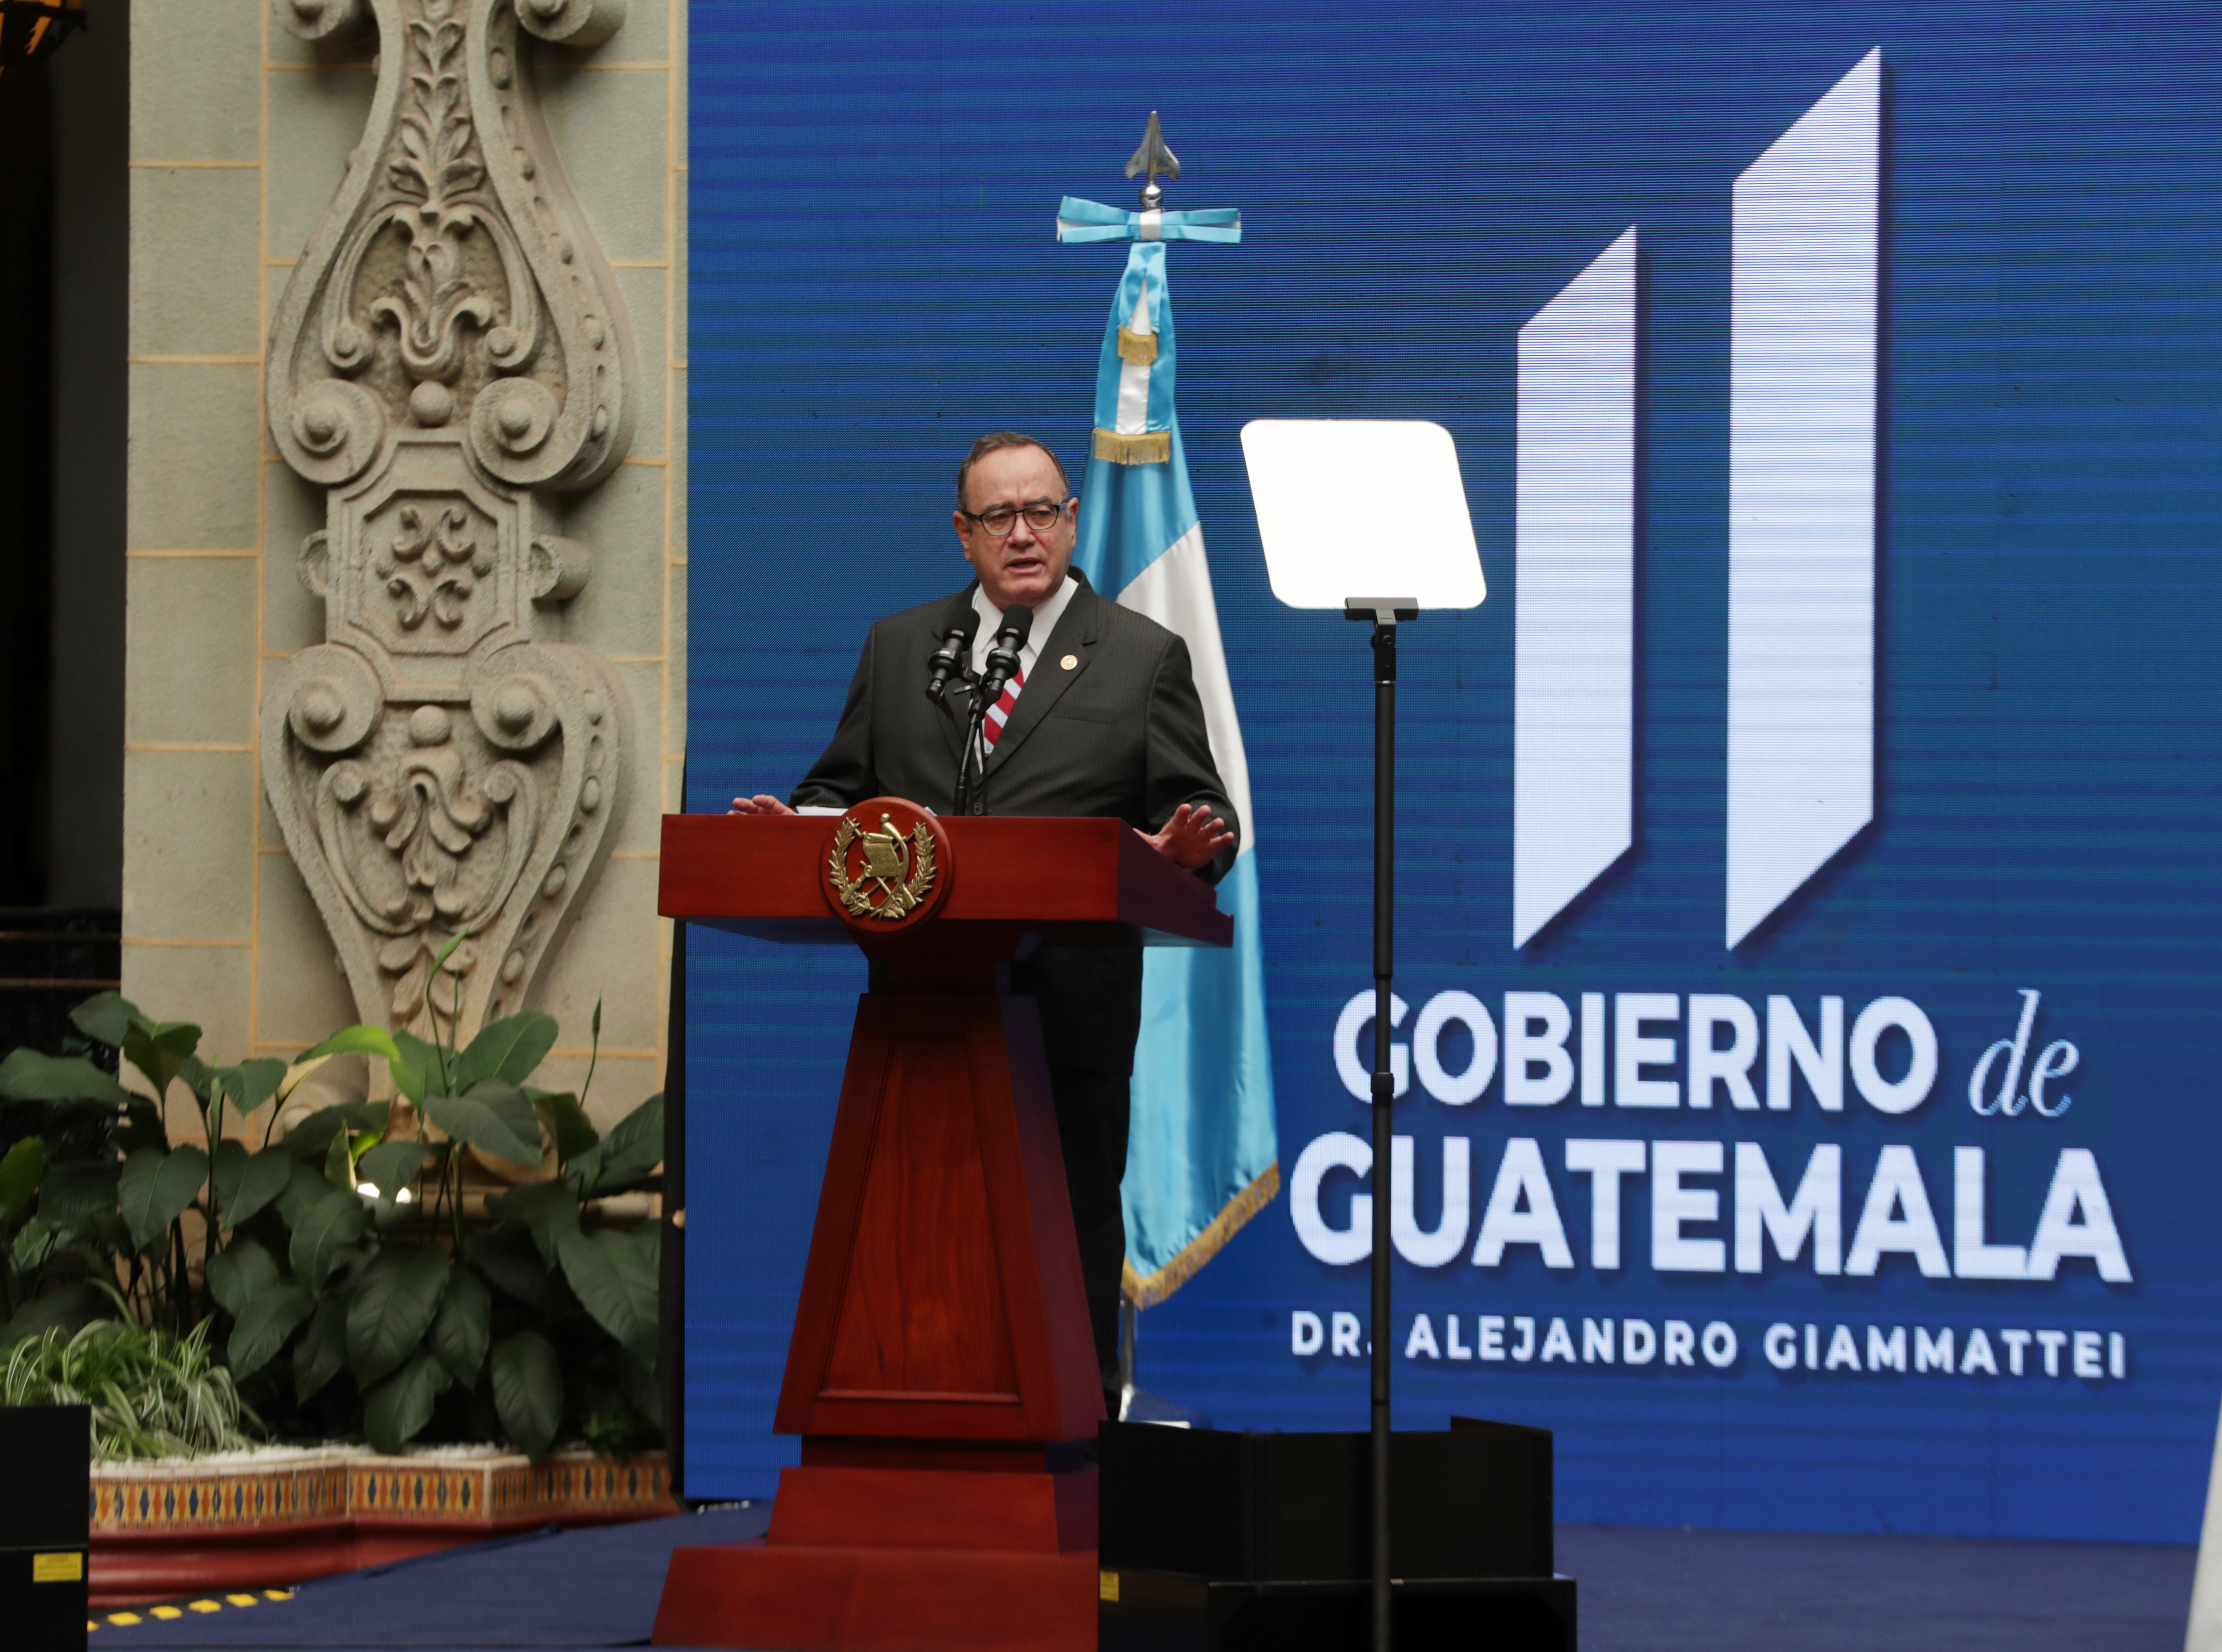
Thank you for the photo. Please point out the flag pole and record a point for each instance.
(1202, 1081)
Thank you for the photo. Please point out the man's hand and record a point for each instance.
(1189, 839)
(760, 804)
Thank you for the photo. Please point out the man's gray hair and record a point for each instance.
(993, 442)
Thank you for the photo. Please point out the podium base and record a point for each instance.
(825, 1597)
(861, 1557)
(1003, 1510)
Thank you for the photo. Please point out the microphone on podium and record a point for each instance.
(1003, 656)
(948, 661)
(1002, 666)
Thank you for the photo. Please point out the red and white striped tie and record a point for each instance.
(1000, 712)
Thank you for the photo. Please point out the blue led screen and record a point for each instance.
(1978, 1293)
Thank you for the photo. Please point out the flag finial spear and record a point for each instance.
(1153, 158)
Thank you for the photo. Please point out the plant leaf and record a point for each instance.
(504, 1255)
(395, 1411)
(322, 1354)
(332, 1224)
(227, 1163)
(299, 1074)
(71, 1306)
(76, 1188)
(311, 1134)
(160, 1050)
(26, 1075)
(263, 1325)
(392, 1309)
(339, 1162)
(250, 1083)
(19, 1175)
(237, 1275)
(153, 1188)
(391, 1165)
(508, 1049)
(617, 1286)
(528, 1391)
(304, 1191)
(567, 1125)
(628, 1154)
(514, 1107)
(359, 1039)
(355, 1041)
(547, 1211)
(106, 1018)
(418, 1073)
(34, 1241)
(262, 1177)
(199, 1078)
(463, 1324)
(487, 1119)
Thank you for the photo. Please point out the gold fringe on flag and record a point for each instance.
(1144, 448)
(1149, 1292)
(1141, 349)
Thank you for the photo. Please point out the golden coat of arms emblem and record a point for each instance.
(892, 877)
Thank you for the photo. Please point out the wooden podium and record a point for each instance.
(942, 1375)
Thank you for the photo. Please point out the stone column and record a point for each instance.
(407, 651)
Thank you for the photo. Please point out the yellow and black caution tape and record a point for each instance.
(169, 1609)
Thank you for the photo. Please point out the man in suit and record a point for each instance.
(1102, 719)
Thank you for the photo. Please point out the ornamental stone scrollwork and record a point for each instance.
(445, 766)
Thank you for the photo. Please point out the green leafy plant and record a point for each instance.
(103, 1184)
(152, 1394)
(334, 1266)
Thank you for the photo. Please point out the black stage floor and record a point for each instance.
(1642, 1591)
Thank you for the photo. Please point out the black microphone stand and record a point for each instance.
(971, 779)
(1002, 666)
(1384, 613)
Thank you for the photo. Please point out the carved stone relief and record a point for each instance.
(445, 766)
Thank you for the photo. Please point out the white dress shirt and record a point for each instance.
(1045, 619)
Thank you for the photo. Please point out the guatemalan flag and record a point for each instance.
(1203, 1152)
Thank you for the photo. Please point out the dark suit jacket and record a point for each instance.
(1121, 733)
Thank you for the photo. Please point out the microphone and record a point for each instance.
(1003, 656)
(948, 661)
(1002, 666)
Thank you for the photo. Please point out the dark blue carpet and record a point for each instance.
(1642, 1591)
(597, 1586)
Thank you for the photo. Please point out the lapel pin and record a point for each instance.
(1070, 661)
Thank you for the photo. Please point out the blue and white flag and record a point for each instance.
(1202, 1157)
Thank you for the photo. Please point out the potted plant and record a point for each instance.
(336, 1286)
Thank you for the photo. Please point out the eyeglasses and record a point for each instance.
(998, 519)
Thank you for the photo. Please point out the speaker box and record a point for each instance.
(1224, 1542)
(1474, 1502)
(46, 1526)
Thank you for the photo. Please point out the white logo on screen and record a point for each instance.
(1805, 256)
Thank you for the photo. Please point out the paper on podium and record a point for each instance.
(1355, 507)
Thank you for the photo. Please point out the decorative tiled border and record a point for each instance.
(142, 1498)
(134, 1499)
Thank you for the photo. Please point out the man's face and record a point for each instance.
(1027, 564)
